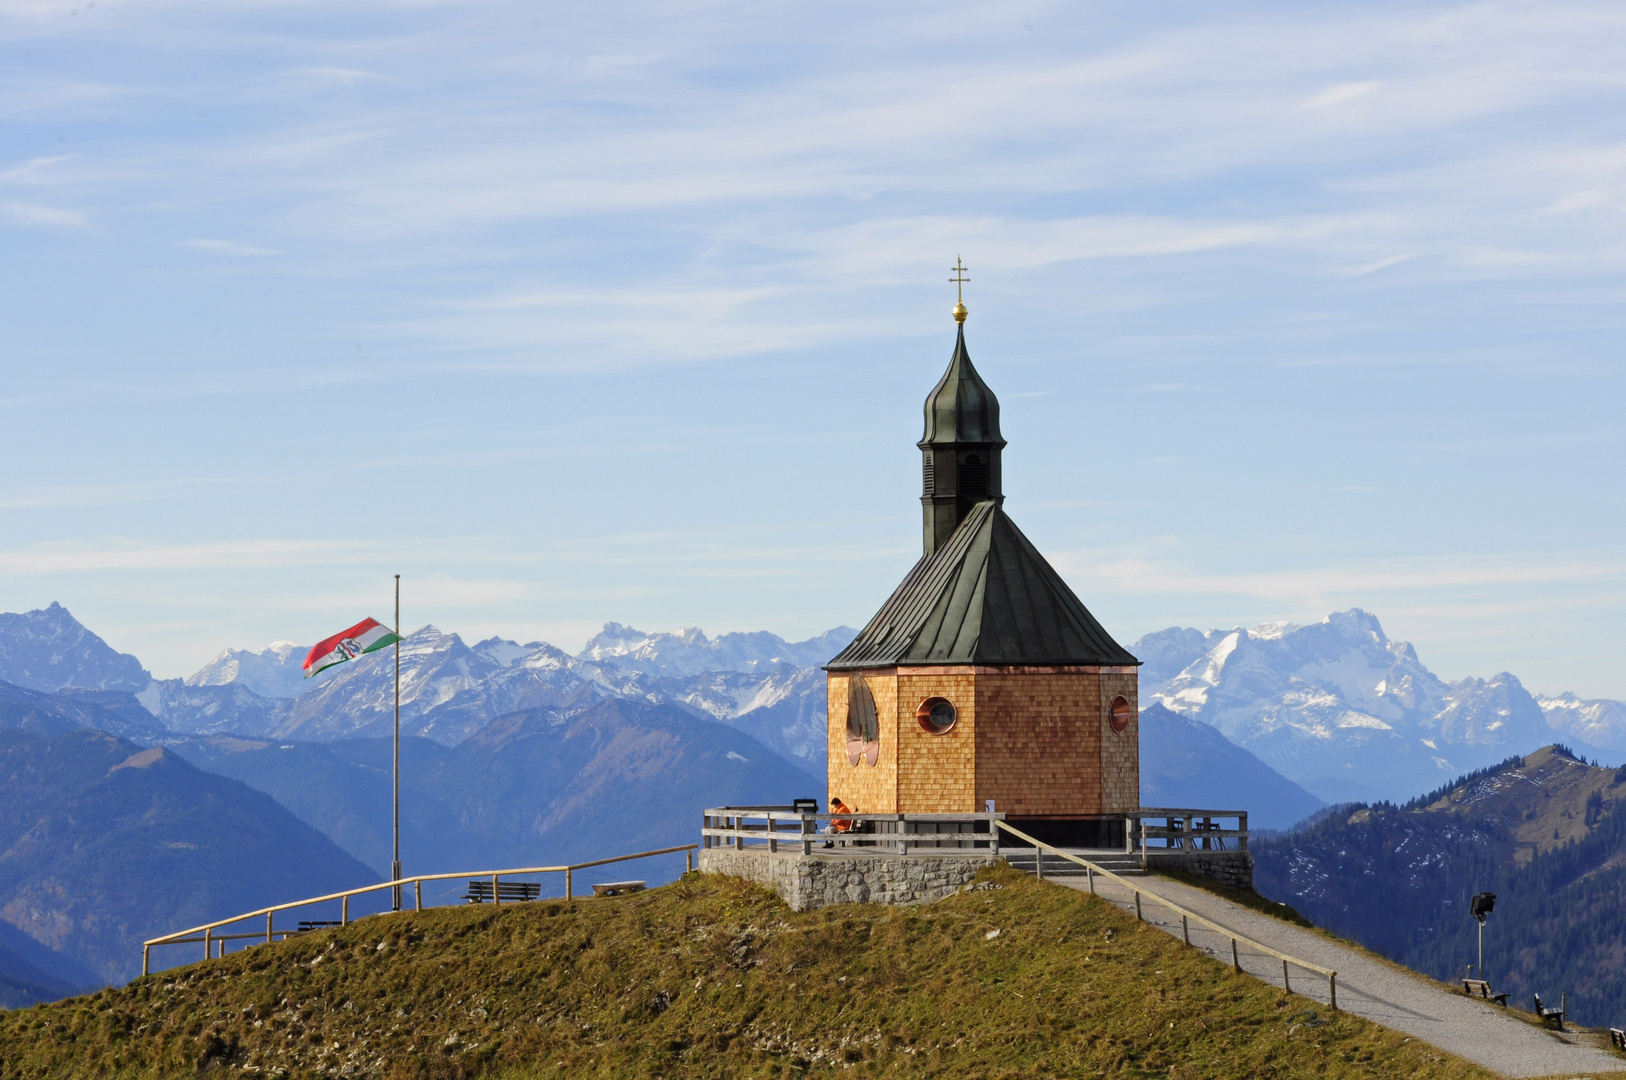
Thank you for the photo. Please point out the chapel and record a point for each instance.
(983, 682)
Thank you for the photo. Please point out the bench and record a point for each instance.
(1617, 1038)
(618, 888)
(1482, 988)
(507, 891)
(317, 924)
(1552, 1016)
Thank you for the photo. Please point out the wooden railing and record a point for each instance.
(209, 937)
(1184, 831)
(737, 826)
(1186, 917)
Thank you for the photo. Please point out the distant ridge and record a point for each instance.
(1544, 831)
(107, 842)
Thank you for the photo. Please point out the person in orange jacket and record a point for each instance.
(838, 824)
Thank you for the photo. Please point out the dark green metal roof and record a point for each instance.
(961, 408)
(985, 597)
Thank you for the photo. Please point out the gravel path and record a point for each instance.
(1478, 1031)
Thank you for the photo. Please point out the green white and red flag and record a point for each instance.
(367, 636)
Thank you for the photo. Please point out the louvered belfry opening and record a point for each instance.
(974, 477)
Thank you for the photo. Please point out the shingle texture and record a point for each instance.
(985, 597)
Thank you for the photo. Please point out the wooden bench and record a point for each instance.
(507, 891)
(1480, 987)
(317, 924)
(1552, 1016)
(618, 888)
(1617, 1038)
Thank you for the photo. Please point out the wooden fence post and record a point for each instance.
(146, 960)
(1185, 929)
(268, 928)
(1137, 906)
(1285, 984)
(1089, 872)
(568, 896)
(208, 944)
(344, 912)
(417, 895)
(1332, 990)
(496, 897)
(688, 861)
(1235, 963)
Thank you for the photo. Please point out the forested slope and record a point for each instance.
(1542, 832)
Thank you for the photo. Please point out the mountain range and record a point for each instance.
(104, 843)
(124, 824)
(523, 753)
(758, 683)
(536, 786)
(1349, 714)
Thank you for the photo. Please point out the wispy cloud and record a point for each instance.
(34, 216)
(83, 496)
(1340, 94)
(228, 247)
(1324, 586)
(1346, 224)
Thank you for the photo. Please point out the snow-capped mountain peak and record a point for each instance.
(688, 651)
(275, 671)
(48, 649)
(1597, 722)
(1339, 707)
(505, 653)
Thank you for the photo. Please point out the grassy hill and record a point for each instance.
(1543, 832)
(714, 977)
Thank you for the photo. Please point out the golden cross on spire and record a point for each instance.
(958, 280)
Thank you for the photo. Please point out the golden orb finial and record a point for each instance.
(959, 279)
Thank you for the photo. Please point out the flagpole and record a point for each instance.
(395, 866)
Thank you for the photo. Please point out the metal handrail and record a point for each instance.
(775, 825)
(181, 937)
(1185, 915)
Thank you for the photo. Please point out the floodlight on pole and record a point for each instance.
(1480, 906)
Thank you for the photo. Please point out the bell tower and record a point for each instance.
(961, 446)
(984, 677)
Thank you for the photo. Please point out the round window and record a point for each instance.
(936, 715)
(1121, 713)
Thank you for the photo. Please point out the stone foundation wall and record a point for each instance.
(806, 882)
(1230, 868)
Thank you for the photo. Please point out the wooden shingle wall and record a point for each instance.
(864, 787)
(1039, 748)
(1038, 741)
(1120, 750)
(937, 774)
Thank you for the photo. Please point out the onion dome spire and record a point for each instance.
(961, 445)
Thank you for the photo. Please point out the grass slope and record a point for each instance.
(712, 977)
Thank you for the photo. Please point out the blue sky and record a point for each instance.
(587, 313)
